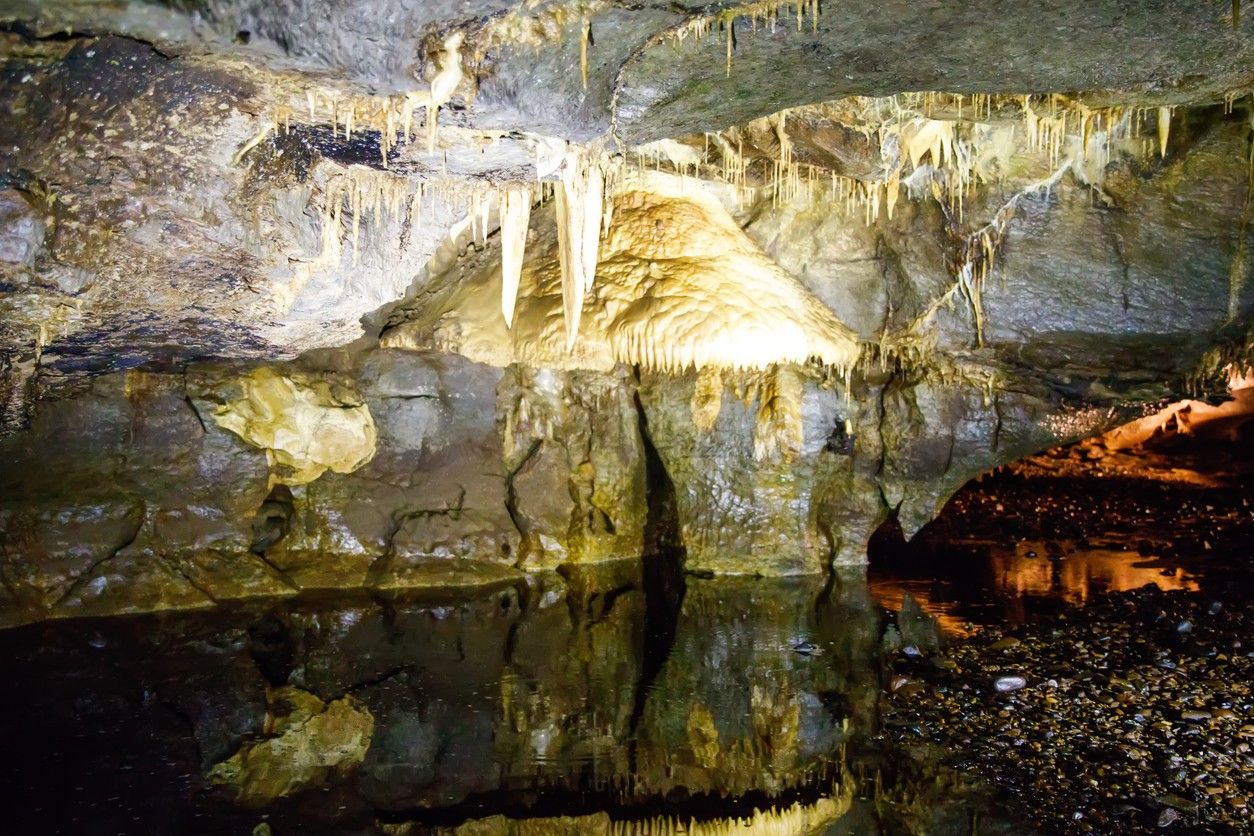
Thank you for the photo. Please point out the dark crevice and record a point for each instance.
(22, 30)
(273, 520)
(663, 575)
(196, 412)
(511, 495)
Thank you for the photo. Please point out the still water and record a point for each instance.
(592, 693)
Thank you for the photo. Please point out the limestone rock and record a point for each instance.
(573, 448)
(310, 744)
(132, 581)
(678, 285)
(741, 513)
(306, 426)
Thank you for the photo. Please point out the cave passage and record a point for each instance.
(514, 417)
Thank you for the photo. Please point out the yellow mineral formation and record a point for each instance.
(306, 426)
(515, 215)
(310, 743)
(795, 820)
(678, 285)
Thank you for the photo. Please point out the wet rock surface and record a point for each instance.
(545, 695)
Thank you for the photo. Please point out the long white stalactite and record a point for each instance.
(515, 217)
(580, 202)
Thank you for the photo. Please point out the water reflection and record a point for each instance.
(334, 715)
(969, 585)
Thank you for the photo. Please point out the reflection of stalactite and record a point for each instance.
(797, 818)
(703, 736)
(776, 718)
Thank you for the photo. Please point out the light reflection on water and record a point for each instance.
(542, 699)
(985, 585)
(492, 702)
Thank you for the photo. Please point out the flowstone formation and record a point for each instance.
(369, 295)
(305, 427)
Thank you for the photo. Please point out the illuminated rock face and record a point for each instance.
(678, 285)
(309, 743)
(306, 427)
(370, 350)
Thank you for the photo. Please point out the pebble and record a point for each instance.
(1006, 684)
(1132, 713)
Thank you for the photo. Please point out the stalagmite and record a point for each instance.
(444, 83)
(515, 214)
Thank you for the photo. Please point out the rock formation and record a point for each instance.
(395, 295)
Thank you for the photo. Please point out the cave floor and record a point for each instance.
(1009, 671)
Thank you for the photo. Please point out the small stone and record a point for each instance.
(1006, 684)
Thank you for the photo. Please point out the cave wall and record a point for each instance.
(194, 193)
(126, 493)
(130, 496)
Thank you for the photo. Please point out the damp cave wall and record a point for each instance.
(124, 494)
(138, 241)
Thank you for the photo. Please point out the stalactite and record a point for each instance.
(585, 33)
(707, 398)
(778, 429)
(725, 20)
(580, 198)
(444, 84)
(256, 140)
(1164, 129)
(515, 213)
